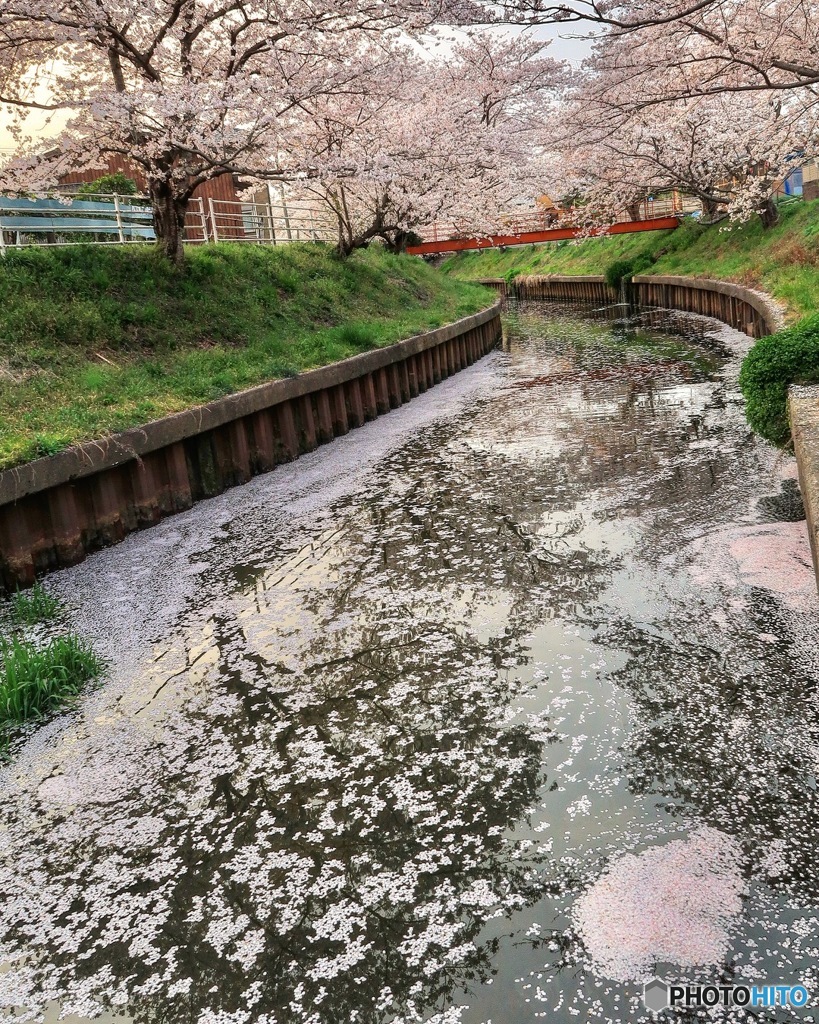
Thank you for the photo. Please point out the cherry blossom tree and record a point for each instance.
(728, 151)
(716, 98)
(709, 46)
(187, 90)
(455, 138)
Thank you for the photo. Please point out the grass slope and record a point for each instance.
(590, 257)
(96, 339)
(783, 261)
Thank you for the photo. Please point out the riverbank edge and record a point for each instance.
(803, 413)
(56, 510)
(751, 312)
(754, 313)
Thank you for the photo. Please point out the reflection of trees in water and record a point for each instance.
(325, 843)
(730, 733)
(617, 415)
(334, 844)
(474, 523)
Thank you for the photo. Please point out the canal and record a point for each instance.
(486, 712)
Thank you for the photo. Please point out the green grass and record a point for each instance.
(95, 339)
(35, 605)
(590, 257)
(36, 680)
(783, 261)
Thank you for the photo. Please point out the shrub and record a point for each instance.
(108, 184)
(772, 365)
(624, 270)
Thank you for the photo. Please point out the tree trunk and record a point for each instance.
(348, 243)
(169, 220)
(769, 213)
(709, 208)
(634, 209)
(398, 240)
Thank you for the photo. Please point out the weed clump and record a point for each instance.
(624, 270)
(39, 677)
(35, 605)
(36, 680)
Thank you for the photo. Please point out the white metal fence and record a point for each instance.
(73, 219)
(266, 222)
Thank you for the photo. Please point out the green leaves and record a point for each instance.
(35, 680)
(35, 605)
(624, 270)
(38, 677)
(772, 365)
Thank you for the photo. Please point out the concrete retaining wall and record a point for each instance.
(803, 412)
(739, 307)
(562, 288)
(56, 510)
(498, 283)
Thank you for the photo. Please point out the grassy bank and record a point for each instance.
(96, 339)
(783, 261)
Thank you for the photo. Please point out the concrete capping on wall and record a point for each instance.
(55, 510)
(743, 308)
(564, 278)
(803, 413)
(500, 284)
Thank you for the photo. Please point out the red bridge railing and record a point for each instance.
(551, 225)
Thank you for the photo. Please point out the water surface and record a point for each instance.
(484, 713)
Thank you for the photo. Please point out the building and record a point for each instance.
(810, 180)
(223, 188)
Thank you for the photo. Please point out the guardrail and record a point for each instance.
(559, 233)
(74, 218)
(528, 222)
(108, 218)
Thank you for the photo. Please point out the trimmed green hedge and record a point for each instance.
(772, 365)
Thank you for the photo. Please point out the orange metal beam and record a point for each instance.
(530, 237)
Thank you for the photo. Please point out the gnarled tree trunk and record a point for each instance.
(398, 239)
(769, 213)
(710, 208)
(169, 220)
